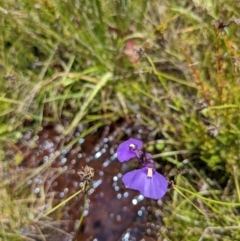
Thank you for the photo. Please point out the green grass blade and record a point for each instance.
(83, 109)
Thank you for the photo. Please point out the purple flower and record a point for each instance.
(129, 149)
(147, 181)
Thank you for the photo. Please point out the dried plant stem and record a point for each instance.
(196, 75)
(81, 217)
(219, 63)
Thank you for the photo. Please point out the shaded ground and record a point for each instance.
(113, 212)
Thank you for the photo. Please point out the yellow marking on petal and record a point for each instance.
(149, 172)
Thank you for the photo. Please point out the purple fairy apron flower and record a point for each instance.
(129, 149)
(146, 180)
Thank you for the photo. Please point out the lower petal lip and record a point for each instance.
(153, 187)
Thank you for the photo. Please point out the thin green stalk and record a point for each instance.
(236, 181)
(206, 199)
(189, 200)
(81, 217)
(172, 153)
(84, 207)
(217, 107)
(91, 96)
(3, 231)
(168, 77)
(65, 201)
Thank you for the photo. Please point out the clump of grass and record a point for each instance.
(194, 90)
(195, 109)
(67, 63)
(215, 121)
(29, 210)
(55, 55)
(200, 209)
(15, 213)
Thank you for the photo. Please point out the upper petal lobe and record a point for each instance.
(124, 153)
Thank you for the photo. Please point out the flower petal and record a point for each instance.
(124, 153)
(154, 187)
(134, 179)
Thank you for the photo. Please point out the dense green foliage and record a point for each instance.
(172, 66)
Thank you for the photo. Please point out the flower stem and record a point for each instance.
(63, 202)
(81, 217)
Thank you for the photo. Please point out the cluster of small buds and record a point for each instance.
(86, 174)
(146, 180)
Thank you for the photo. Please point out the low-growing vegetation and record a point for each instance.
(170, 66)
